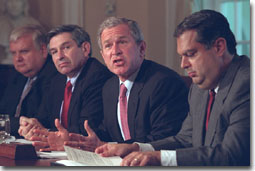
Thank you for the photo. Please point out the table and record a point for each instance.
(4, 161)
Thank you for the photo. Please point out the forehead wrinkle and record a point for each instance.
(62, 44)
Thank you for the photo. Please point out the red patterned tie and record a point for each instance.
(123, 111)
(67, 99)
(209, 107)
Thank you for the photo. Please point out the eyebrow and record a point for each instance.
(120, 37)
(189, 50)
(65, 43)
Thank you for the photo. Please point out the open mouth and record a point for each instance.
(118, 62)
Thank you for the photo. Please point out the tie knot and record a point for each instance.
(31, 81)
(69, 85)
(123, 90)
(212, 93)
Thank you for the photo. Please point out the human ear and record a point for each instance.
(142, 47)
(85, 46)
(44, 51)
(220, 46)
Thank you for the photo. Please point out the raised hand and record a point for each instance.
(50, 141)
(88, 143)
(108, 150)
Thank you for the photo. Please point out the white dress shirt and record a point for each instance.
(73, 81)
(128, 84)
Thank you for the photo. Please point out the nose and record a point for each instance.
(185, 62)
(17, 57)
(60, 54)
(116, 49)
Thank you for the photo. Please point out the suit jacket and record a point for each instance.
(31, 103)
(157, 104)
(86, 100)
(227, 140)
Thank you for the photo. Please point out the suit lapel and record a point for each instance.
(199, 127)
(133, 104)
(77, 89)
(217, 108)
(112, 106)
(134, 97)
(74, 98)
(59, 94)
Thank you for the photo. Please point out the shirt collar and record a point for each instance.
(216, 89)
(73, 79)
(130, 81)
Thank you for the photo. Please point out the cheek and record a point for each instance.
(55, 61)
(28, 59)
(107, 59)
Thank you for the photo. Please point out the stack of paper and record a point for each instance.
(86, 158)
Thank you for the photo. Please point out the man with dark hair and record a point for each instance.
(217, 129)
(33, 72)
(143, 101)
(75, 94)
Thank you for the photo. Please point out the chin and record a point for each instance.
(203, 87)
(119, 72)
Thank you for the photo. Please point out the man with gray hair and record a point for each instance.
(144, 101)
(29, 81)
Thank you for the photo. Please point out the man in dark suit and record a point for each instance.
(29, 50)
(156, 103)
(217, 129)
(70, 48)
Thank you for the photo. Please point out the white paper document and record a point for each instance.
(52, 154)
(23, 141)
(91, 159)
(69, 163)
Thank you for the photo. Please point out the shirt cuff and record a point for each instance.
(145, 147)
(168, 158)
(112, 142)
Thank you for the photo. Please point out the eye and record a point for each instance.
(67, 47)
(53, 52)
(107, 46)
(123, 42)
(23, 52)
(190, 53)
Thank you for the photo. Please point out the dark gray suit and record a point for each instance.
(227, 140)
(31, 103)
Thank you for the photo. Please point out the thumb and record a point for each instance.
(104, 151)
(88, 129)
(22, 120)
(59, 126)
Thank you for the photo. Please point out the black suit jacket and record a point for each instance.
(157, 105)
(86, 100)
(31, 103)
(227, 140)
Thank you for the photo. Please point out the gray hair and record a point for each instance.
(38, 34)
(114, 21)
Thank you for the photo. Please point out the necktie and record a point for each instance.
(23, 95)
(123, 111)
(209, 107)
(65, 107)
